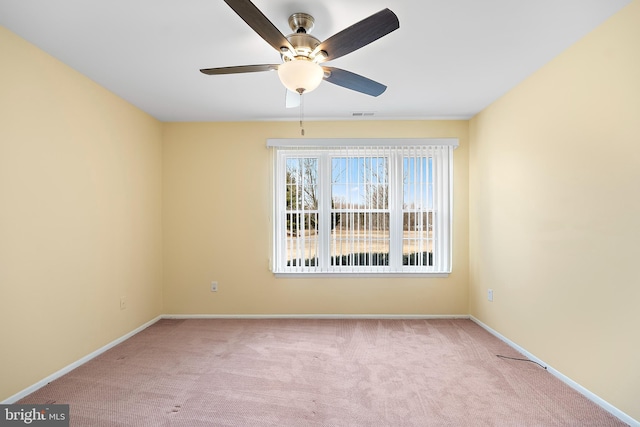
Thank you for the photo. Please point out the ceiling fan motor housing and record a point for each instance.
(304, 44)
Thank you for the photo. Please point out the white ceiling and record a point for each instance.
(449, 59)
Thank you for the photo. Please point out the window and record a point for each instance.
(362, 206)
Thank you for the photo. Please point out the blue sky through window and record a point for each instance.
(350, 177)
(355, 178)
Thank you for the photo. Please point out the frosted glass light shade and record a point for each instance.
(300, 75)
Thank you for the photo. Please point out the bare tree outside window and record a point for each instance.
(359, 191)
(301, 193)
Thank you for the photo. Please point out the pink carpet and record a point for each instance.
(291, 372)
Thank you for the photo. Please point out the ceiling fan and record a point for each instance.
(301, 53)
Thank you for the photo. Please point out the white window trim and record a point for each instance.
(358, 142)
(322, 144)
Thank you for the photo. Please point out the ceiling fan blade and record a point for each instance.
(292, 99)
(359, 34)
(353, 81)
(260, 24)
(239, 69)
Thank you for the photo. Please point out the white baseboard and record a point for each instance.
(76, 364)
(571, 383)
(315, 316)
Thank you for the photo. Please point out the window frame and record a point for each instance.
(324, 150)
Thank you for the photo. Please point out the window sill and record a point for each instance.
(356, 275)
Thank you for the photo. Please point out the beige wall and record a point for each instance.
(555, 212)
(216, 207)
(80, 222)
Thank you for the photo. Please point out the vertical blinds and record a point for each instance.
(350, 208)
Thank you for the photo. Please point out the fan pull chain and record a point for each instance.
(301, 114)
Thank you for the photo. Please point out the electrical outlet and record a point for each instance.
(123, 303)
(490, 295)
(214, 286)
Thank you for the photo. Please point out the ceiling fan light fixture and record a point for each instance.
(300, 75)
